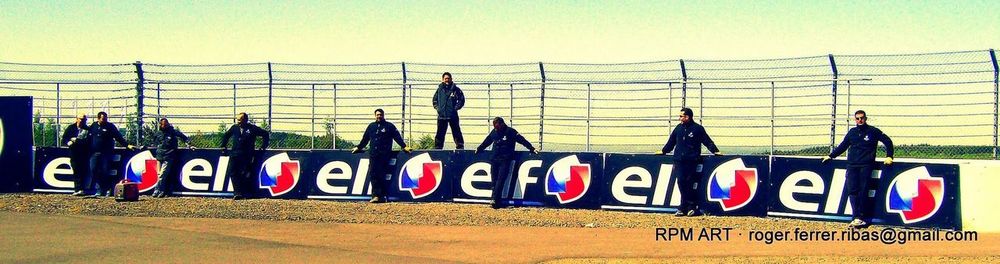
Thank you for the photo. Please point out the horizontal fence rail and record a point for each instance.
(933, 105)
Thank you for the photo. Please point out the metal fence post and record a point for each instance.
(234, 100)
(833, 105)
(489, 105)
(158, 103)
(140, 98)
(335, 116)
(670, 105)
(684, 84)
(270, 95)
(850, 115)
(996, 101)
(511, 104)
(772, 118)
(588, 116)
(541, 109)
(312, 121)
(403, 114)
(58, 114)
(701, 103)
(409, 118)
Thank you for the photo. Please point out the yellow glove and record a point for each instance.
(130, 147)
(888, 160)
(825, 159)
(659, 152)
(408, 149)
(718, 153)
(356, 150)
(536, 151)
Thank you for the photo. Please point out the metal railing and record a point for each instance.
(934, 105)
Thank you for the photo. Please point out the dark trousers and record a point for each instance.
(456, 132)
(81, 172)
(100, 166)
(240, 172)
(163, 184)
(500, 175)
(857, 189)
(687, 180)
(378, 169)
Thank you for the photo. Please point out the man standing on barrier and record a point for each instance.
(381, 133)
(861, 142)
(75, 137)
(166, 154)
(502, 138)
(103, 135)
(448, 99)
(241, 162)
(685, 141)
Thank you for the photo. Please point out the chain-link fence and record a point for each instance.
(936, 105)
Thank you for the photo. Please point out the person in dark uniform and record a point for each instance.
(685, 142)
(448, 99)
(243, 156)
(861, 142)
(75, 137)
(502, 138)
(166, 154)
(381, 134)
(103, 135)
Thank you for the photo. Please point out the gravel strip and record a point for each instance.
(446, 214)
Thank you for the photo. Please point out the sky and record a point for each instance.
(210, 32)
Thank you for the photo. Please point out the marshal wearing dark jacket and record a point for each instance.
(685, 141)
(169, 137)
(166, 154)
(447, 100)
(75, 136)
(861, 143)
(381, 134)
(103, 135)
(502, 138)
(242, 158)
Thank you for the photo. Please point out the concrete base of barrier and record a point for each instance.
(979, 198)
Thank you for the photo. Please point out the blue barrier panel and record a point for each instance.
(54, 171)
(202, 172)
(339, 175)
(472, 182)
(562, 180)
(904, 194)
(16, 143)
(275, 174)
(729, 185)
(423, 176)
(283, 174)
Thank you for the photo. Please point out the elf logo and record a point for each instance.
(636, 185)
(199, 175)
(144, 169)
(732, 185)
(915, 195)
(420, 176)
(807, 191)
(567, 179)
(279, 174)
(339, 178)
(58, 173)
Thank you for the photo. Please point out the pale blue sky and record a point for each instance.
(199, 32)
